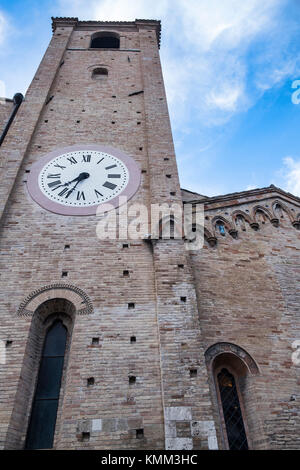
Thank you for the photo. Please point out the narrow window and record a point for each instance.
(41, 428)
(234, 423)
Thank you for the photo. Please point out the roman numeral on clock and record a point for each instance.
(54, 184)
(59, 166)
(109, 185)
(86, 158)
(72, 160)
(57, 175)
(98, 194)
(80, 195)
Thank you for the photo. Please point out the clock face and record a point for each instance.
(78, 180)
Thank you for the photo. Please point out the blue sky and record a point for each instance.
(228, 65)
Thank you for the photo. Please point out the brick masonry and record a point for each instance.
(238, 290)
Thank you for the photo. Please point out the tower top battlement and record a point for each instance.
(74, 21)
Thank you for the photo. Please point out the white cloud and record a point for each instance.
(291, 175)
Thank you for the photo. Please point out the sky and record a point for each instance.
(232, 77)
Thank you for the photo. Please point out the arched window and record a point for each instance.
(233, 382)
(42, 422)
(232, 413)
(105, 40)
(99, 73)
(221, 228)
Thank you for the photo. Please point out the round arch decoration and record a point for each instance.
(221, 348)
(78, 297)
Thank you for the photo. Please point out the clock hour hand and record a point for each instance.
(81, 177)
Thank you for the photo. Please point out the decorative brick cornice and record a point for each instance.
(63, 21)
(248, 196)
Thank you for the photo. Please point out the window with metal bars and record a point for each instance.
(41, 428)
(236, 434)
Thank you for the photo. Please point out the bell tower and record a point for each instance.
(129, 370)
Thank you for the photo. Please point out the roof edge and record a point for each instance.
(251, 192)
(74, 21)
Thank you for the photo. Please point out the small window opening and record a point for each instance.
(132, 379)
(85, 436)
(67, 247)
(131, 305)
(183, 299)
(99, 73)
(95, 341)
(64, 274)
(193, 372)
(139, 433)
(125, 245)
(133, 339)
(126, 273)
(8, 343)
(90, 381)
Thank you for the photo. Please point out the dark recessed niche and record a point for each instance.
(78, 122)
(183, 299)
(27, 171)
(132, 379)
(173, 193)
(166, 159)
(181, 266)
(139, 433)
(193, 372)
(125, 245)
(46, 120)
(90, 381)
(169, 176)
(64, 274)
(140, 149)
(131, 305)
(8, 343)
(85, 436)
(126, 273)
(95, 341)
(133, 339)
(144, 171)
(67, 247)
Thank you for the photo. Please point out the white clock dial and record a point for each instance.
(83, 178)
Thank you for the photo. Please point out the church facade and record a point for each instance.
(135, 344)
